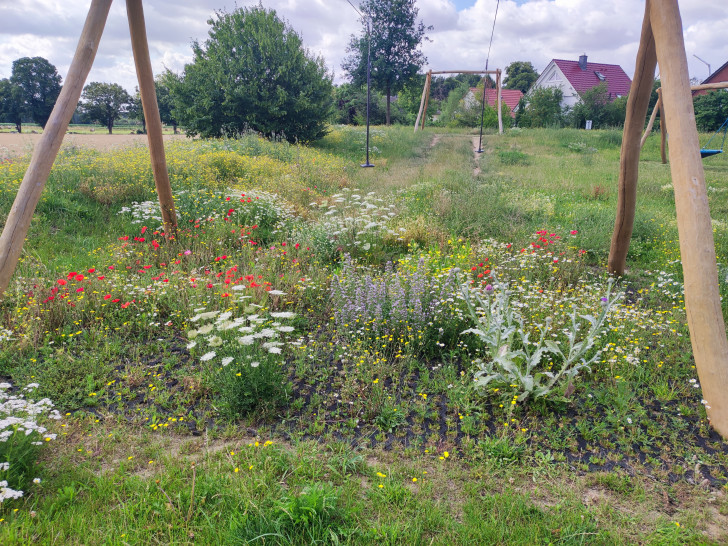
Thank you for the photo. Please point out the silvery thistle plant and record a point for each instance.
(515, 360)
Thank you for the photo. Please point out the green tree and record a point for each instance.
(10, 104)
(395, 37)
(163, 84)
(520, 75)
(253, 73)
(37, 86)
(541, 108)
(711, 110)
(105, 103)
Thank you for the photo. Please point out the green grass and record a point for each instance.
(369, 431)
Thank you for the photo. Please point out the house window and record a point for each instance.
(600, 75)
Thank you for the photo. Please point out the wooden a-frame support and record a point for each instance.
(662, 42)
(29, 192)
(422, 114)
(658, 108)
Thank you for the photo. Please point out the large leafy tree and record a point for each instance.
(105, 103)
(395, 36)
(253, 73)
(520, 75)
(10, 104)
(36, 87)
(164, 102)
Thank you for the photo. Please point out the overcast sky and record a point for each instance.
(526, 30)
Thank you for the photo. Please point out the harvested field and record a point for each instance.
(15, 144)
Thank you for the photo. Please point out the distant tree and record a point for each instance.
(38, 86)
(711, 110)
(253, 73)
(395, 40)
(10, 104)
(520, 75)
(541, 108)
(105, 103)
(163, 84)
(135, 110)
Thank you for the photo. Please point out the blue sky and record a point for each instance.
(526, 30)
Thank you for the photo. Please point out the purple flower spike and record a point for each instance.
(489, 288)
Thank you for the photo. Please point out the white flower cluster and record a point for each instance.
(19, 415)
(254, 327)
(354, 220)
(143, 212)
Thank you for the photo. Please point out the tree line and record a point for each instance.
(252, 73)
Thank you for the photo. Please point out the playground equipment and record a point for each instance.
(422, 114)
(662, 42)
(26, 200)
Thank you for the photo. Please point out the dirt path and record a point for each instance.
(15, 144)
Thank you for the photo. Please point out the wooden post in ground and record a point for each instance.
(697, 249)
(500, 113)
(21, 213)
(663, 128)
(428, 83)
(138, 31)
(637, 104)
(647, 132)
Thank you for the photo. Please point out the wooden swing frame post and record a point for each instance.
(44, 155)
(697, 248)
(29, 192)
(637, 105)
(140, 47)
(422, 114)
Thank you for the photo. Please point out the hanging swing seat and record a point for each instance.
(706, 151)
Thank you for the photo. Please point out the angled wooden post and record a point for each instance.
(637, 104)
(422, 105)
(138, 31)
(663, 128)
(648, 130)
(697, 248)
(21, 213)
(428, 83)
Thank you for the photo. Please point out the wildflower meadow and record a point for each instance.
(418, 353)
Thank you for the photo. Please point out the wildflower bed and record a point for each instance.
(294, 303)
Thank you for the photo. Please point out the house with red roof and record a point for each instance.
(720, 75)
(508, 96)
(576, 77)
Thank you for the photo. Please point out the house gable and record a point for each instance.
(552, 76)
(720, 75)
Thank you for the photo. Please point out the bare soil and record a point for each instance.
(17, 144)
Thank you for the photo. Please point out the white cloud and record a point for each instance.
(535, 30)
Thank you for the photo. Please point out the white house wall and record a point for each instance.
(552, 76)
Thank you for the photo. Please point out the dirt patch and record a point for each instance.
(18, 144)
(476, 155)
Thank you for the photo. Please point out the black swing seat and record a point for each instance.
(707, 153)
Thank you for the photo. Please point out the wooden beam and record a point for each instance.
(463, 72)
(29, 192)
(697, 248)
(706, 86)
(138, 31)
(638, 101)
(648, 130)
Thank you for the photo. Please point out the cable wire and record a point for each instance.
(485, 82)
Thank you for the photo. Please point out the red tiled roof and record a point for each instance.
(509, 96)
(618, 83)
